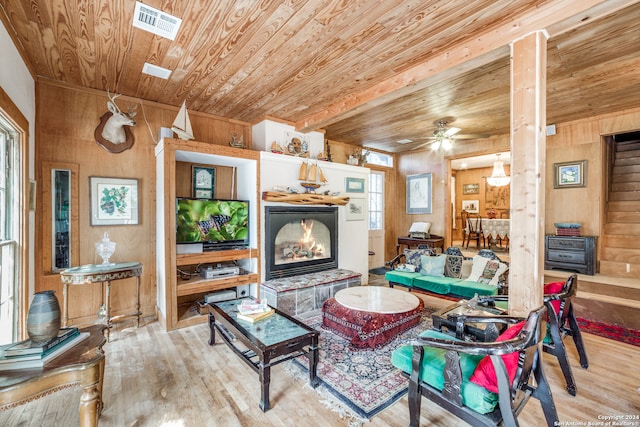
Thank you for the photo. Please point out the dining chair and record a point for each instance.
(474, 230)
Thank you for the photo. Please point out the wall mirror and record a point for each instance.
(61, 219)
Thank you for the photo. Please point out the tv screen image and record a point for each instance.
(212, 221)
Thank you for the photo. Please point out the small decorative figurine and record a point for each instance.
(236, 141)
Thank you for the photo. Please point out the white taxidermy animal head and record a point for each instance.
(114, 127)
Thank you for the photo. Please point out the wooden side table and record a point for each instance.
(96, 273)
(433, 242)
(82, 364)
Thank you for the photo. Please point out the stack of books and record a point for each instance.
(25, 354)
(254, 310)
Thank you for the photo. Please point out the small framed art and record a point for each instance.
(570, 174)
(203, 182)
(356, 210)
(470, 189)
(471, 206)
(114, 201)
(419, 194)
(354, 185)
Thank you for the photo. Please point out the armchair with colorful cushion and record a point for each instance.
(561, 322)
(483, 383)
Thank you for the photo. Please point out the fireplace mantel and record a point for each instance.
(304, 198)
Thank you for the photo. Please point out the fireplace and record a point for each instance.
(300, 240)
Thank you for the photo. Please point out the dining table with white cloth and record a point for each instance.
(495, 228)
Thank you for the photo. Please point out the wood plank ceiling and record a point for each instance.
(368, 72)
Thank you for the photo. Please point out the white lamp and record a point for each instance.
(498, 178)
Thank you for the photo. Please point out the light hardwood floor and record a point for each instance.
(175, 379)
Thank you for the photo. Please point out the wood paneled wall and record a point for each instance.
(66, 120)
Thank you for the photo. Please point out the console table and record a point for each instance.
(433, 242)
(97, 273)
(82, 364)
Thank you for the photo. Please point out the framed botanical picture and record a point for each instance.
(471, 206)
(356, 210)
(114, 201)
(354, 185)
(419, 194)
(470, 189)
(570, 174)
(203, 182)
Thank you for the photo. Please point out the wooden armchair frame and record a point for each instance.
(511, 397)
(561, 324)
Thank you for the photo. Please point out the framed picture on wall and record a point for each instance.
(356, 210)
(114, 201)
(203, 182)
(419, 194)
(470, 189)
(497, 197)
(471, 206)
(570, 174)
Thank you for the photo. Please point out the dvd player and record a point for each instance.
(222, 270)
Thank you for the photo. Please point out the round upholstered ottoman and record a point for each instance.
(370, 316)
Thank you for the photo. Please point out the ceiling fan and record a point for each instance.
(444, 136)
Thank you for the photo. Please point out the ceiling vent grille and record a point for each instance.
(156, 21)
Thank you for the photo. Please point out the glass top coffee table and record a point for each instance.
(266, 342)
(451, 319)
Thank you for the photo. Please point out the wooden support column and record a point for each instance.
(528, 152)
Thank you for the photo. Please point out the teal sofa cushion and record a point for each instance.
(401, 277)
(468, 289)
(474, 396)
(438, 285)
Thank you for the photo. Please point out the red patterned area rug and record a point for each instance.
(618, 333)
(357, 383)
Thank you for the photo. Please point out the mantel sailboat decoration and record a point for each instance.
(311, 177)
(182, 124)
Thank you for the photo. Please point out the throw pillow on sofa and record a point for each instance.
(412, 256)
(485, 270)
(433, 265)
(453, 266)
(479, 263)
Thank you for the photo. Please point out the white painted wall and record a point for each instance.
(16, 81)
(278, 170)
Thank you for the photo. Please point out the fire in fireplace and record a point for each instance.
(300, 240)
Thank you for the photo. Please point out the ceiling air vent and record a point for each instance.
(155, 71)
(156, 21)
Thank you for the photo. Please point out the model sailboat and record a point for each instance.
(311, 176)
(182, 124)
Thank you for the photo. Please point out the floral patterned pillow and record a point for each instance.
(412, 256)
(453, 266)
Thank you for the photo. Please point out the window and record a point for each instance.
(10, 223)
(380, 159)
(376, 189)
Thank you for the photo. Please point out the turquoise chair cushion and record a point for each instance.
(468, 289)
(474, 396)
(439, 285)
(401, 277)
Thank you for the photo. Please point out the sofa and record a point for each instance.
(449, 273)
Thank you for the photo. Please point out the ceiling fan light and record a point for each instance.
(436, 145)
(498, 178)
(446, 144)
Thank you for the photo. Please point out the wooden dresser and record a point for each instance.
(570, 253)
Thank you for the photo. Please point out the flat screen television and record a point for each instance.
(216, 223)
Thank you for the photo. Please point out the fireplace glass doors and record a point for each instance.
(300, 240)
